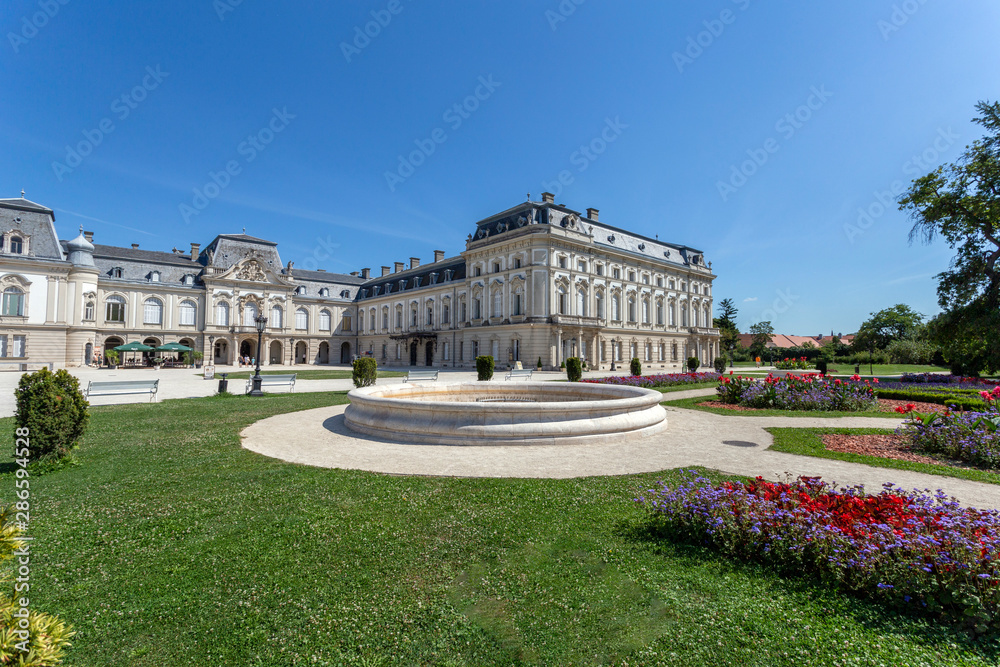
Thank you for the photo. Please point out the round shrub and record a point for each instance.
(52, 408)
(365, 371)
(539, 363)
(484, 368)
(822, 365)
(574, 369)
(693, 364)
(635, 366)
(720, 364)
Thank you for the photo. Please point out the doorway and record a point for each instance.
(324, 353)
(413, 353)
(275, 353)
(88, 354)
(345, 353)
(430, 354)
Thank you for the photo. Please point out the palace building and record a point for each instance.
(536, 282)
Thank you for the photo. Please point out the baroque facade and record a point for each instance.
(536, 282)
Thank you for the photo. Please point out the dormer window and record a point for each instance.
(324, 292)
(16, 245)
(402, 285)
(416, 281)
(188, 280)
(301, 289)
(154, 276)
(116, 272)
(448, 274)
(344, 294)
(434, 278)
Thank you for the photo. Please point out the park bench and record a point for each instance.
(273, 381)
(122, 388)
(414, 376)
(518, 373)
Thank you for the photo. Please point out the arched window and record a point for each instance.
(599, 299)
(445, 314)
(249, 314)
(497, 303)
(581, 302)
(13, 301)
(114, 309)
(645, 311)
(324, 320)
(371, 320)
(616, 308)
(152, 311)
(187, 313)
(16, 245)
(631, 310)
(88, 311)
(430, 316)
(325, 291)
(222, 314)
(659, 315)
(301, 319)
(301, 289)
(385, 318)
(345, 294)
(561, 305)
(116, 272)
(672, 308)
(277, 317)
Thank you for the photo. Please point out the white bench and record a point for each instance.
(122, 388)
(518, 373)
(414, 376)
(273, 381)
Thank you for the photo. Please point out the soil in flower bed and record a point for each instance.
(886, 446)
(884, 405)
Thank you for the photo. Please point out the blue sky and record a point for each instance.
(754, 131)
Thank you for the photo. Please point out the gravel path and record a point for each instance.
(693, 438)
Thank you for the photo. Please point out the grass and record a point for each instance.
(695, 404)
(168, 544)
(321, 374)
(848, 369)
(807, 442)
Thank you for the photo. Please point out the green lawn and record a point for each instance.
(168, 544)
(694, 404)
(684, 387)
(807, 442)
(320, 374)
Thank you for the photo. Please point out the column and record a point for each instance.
(559, 358)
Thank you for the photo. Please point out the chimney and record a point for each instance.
(438, 255)
(354, 273)
(195, 247)
(385, 271)
(89, 236)
(592, 214)
(399, 267)
(548, 198)
(135, 246)
(414, 262)
(365, 273)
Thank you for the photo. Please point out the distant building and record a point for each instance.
(536, 281)
(784, 341)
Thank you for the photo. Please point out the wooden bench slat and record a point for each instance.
(518, 373)
(421, 375)
(122, 388)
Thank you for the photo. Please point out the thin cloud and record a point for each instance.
(749, 298)
(105, 222)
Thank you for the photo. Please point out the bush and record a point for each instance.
(539, 365)
(52, 408)
(822, 365)
(365, 371)
(719, 364)
(574, 369)
(112, 357)
(693, 364)
(635, 366)
(910, 352)
(484, 368)
(47, 636)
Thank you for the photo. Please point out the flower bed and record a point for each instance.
(657, 381)
(923, 553)
(937, 378)
(788, 364)
(810, 391)
(973, 437)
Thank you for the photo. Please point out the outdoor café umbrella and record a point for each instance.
(174, 347)
(133, 347)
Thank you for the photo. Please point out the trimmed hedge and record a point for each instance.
(719, 364)
(484, 367)
(693, 363)
(635, 366)
(365, 371)
(959, 401)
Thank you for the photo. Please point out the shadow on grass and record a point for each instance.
(924, 629)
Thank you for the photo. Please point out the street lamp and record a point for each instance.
(614, 350)
(732, 352)
(260, 322)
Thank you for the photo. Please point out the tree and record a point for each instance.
(961, 202)
(729, 335)
(897, 323)
(761, 332)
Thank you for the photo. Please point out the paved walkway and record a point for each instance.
(693, 438)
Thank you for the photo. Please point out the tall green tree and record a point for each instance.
(762, 333)
(891, 324)
(961, 202)
(729, 335)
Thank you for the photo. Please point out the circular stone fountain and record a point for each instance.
(491, 413)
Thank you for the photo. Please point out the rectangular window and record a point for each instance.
(517, 262)
(17, 347)
(478, 271)
(562, 262)
(3, 345)
(301, 320)
(475, 349)
(446, 351)
(581, 265)
(115, 311)
(152, 313)
(324, 321)
(88, 311)
(346, 322)
(616, 273)
(600, 269)
(461, 351)
(515, 307)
